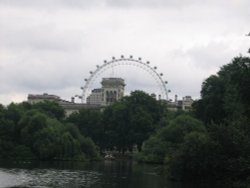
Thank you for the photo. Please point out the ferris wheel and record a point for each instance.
(130, 61)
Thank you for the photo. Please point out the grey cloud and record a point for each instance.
(233, 7)
(209, 56)
(150, 3)
(41, 72)
(212, 55)
(51, 45)
(194, 65)
(108, 3)
(48, 4)
(44, 37)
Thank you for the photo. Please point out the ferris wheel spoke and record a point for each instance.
(122, 61)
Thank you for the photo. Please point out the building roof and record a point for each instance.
(44, 96)
(112, 82)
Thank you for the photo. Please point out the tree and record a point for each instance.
(52, 109)
(162, 146)
(131, 121)
(89, 122)
(225, 96)
(33, 132)
(233, 143)
(225, 107)
(117, 127)
(13, 112)
(236, 76)
(210, 107)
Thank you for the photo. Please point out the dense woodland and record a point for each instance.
(39, 132)
(213, 140)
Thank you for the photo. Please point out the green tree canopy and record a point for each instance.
(131, 121)
(225, 96)
(185, 147)
(39, 132)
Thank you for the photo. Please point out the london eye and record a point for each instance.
(121, 61)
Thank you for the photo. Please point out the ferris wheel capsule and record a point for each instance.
(155, 67)
(122, 56)
(148, 62)
(113, 58)
(131, 57)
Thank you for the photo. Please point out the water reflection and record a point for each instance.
(107, 174)
(47, 178)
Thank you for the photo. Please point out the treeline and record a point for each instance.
(213, 141)
(123, 125)
(39, 132)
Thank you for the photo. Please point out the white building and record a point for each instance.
(96, 97)
(187, 103)
(33, 99)
(184, 104)
(112, 90)
(69, 107)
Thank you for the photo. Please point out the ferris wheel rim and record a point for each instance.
(112, 63)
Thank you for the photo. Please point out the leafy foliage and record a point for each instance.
(31, 132)
(225, 108)
(89, 123)
(163, 146)
(225, 96)
(122, 125)
(131, 121)
(219, 147)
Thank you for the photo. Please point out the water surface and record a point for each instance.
(106, 174)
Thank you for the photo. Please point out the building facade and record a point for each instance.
(33, 99)
(69, 107)
(96, 97)
(112, 90)
(185, 104)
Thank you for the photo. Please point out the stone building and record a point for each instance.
(184, 104)
(96, 97)
(69, 107)
(32, 99)
(187, 102)
(112, 90)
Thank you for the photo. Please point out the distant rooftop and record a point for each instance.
(44, 96)
(112, 81)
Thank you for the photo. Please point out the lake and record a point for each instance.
(105, 174)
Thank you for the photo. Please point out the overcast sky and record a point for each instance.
(51, 45)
